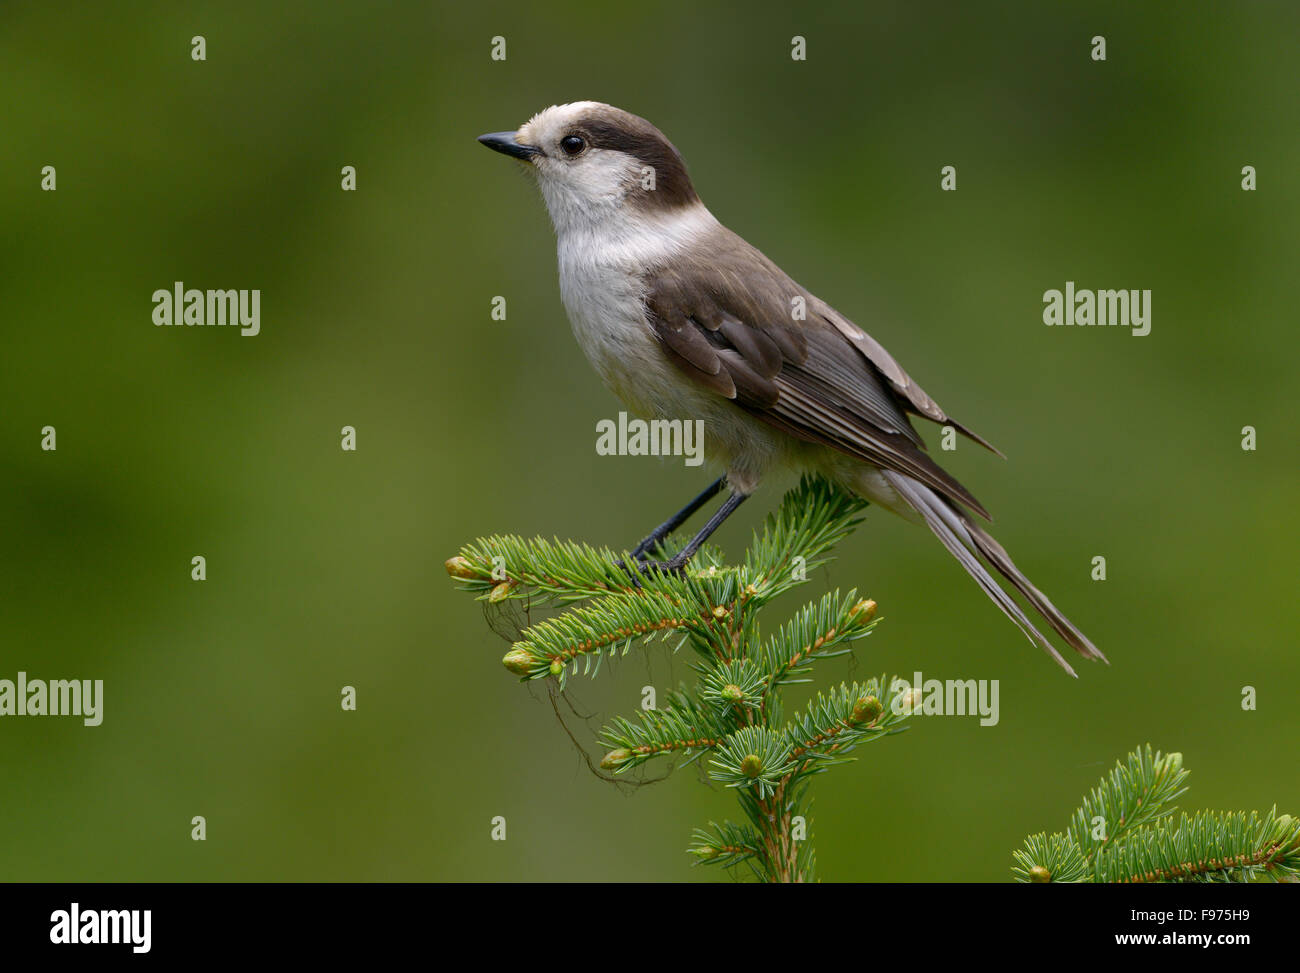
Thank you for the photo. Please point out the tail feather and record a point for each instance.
(994, 553)
(964, 539)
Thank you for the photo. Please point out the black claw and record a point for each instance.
(675, 565)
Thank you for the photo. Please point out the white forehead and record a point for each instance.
(550, 123)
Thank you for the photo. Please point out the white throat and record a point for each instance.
(629, 239)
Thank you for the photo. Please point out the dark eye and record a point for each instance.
(572, 144)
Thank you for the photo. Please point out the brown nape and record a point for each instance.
(625, 132)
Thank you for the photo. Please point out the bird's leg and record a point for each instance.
(676, 520)
(677, 563)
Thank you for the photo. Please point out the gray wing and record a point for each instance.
(729, 326)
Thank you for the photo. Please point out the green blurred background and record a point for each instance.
(325, 568)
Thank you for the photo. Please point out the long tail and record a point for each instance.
(965, 539)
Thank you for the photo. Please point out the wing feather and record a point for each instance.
(729, 324)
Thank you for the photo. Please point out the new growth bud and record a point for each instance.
(460, 567)
(518, 661)
(864, 611)
(614, 759)
(866, 709)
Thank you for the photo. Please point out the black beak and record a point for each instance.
(504, 142)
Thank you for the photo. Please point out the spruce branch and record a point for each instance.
(608, 626)
(1208, 846)
(798, 537)
(508, 566)
(1050, 858)
(756, 757)
(734, 715)
(837, 722)
(814, 631)
(1124, 831)
(733, 684)
(1138, 792)
(681, 726)
(725, 844)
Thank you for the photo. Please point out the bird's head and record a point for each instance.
(596, 163)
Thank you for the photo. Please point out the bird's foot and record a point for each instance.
(675, 565)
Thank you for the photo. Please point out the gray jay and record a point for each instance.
(684, 319)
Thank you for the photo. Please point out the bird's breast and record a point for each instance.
(605, 304)
(602, 286)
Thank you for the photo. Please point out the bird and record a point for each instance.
(681, 317)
